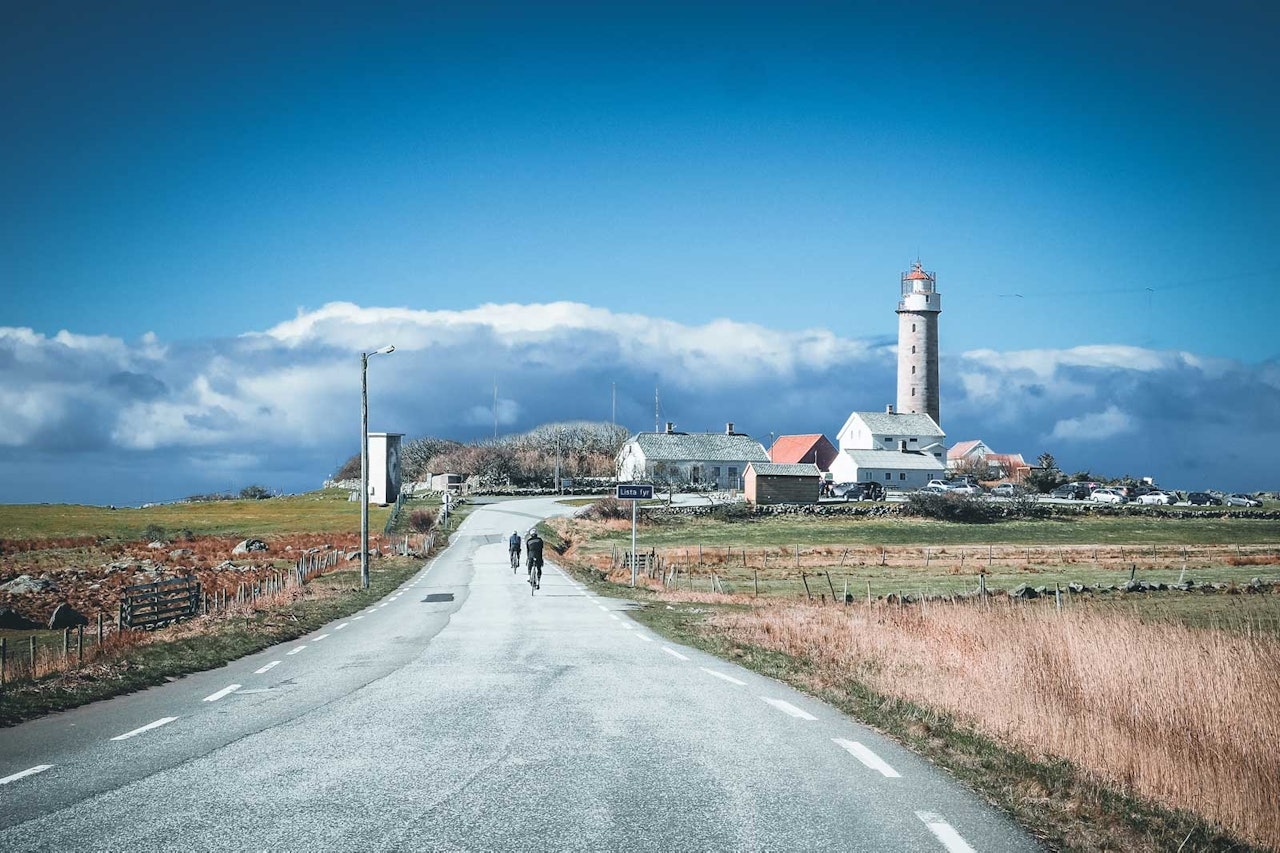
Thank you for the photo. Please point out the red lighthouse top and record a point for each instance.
(917, 274)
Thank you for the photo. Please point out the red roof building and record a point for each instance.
(798, 449)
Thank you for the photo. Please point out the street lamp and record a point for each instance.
(364, 461)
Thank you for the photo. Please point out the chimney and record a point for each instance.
(888, 410)
(902, 446)
(728, 428)
(671, 427)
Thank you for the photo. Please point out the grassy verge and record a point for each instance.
(203, 643)
(1060, 804)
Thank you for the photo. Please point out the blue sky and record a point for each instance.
(1095, 185)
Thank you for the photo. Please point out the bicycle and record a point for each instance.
(535, 575)
(515, 562)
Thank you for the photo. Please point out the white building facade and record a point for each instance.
(898, 450)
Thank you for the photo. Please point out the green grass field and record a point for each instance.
(314, 512)
(829, 530)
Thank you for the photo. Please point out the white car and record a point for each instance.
(1107, 496)
(966, 489)
(1158, 498)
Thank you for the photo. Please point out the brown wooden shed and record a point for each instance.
(775, 483)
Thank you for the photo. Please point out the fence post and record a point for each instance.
(66, 645)
(80, 644)
(807, 594)
(33, 657)
(4, 659)
(832, 585)
(99, 629)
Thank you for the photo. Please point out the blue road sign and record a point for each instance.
(635, 492)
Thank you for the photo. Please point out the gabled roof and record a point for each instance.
(1007, 460)
(797, 448)
(773, 469)
(909, 461)
(961, 448)
(897, 423)
(700, 447)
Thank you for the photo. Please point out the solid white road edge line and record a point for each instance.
(867, 757)
(788, 708)
(945, 832)
(30, 771)
(674, 653)
(226, 691)
(163, 721)
(294, 651)
(263, 669)
(728, 678)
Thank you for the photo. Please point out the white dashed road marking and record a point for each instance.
(226, 691)
(614, 616)
(642, 637)
(867, 757)
(945, 832)
(263, 669)
(340, 627)
(30, 771)
(721, 675)
(788, 708)
(674, 653)
(163, 721)
(357, 618)
(602, 607)
(318, 639)
(294, 651)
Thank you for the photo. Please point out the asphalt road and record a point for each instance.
(462, 713)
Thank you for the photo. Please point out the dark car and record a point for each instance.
(870, 491)
(1203, 499)
(1071, 491)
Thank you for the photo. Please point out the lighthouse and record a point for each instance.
(918, 311)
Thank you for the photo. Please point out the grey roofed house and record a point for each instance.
(896, 423)
(716, 460)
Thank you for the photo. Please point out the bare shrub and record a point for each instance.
(608, 508)
(421, 520)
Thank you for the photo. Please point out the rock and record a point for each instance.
(1023, 591)
(25, 584)
(180, 553)
(1134, 586)
(13, 621)
(157, 545)
(249, 545)
(66, 616)
(1075, 587)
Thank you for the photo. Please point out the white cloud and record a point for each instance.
(1096, 426)
(285, 401)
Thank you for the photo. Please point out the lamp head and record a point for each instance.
(387, 350)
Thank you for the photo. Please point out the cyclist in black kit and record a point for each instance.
(513, 546)
(533, 547)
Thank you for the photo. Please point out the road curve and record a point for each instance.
(462, 713)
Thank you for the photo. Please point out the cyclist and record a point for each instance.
(513, 547)
(533, 547)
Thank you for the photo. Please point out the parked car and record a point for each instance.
(1105, 495)
(1008, 490)
(1071, 491)
(1158, 498)
(1203, 499)
(869, 491)
(969, 489)
(1242, 500)
(937, 487)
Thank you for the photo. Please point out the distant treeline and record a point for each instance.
(584, 448)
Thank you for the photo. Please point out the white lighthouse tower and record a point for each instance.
(918, 311)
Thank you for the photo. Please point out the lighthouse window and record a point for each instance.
(913, 327)
(913, 349)
(913, 392)
(913, 370)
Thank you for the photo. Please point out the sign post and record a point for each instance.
(634, 492)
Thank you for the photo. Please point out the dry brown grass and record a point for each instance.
(1186, 717)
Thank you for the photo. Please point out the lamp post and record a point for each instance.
(364, 462)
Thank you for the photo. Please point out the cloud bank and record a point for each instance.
(99, 419)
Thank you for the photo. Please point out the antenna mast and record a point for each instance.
(656, 410)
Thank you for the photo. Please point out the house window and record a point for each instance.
(733, 478)
(695, 474)
(888, 439)
(715, 474)
(902, 476)
(888, 476)
(913, 439)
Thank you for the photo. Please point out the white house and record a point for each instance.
(898, 450)
(707, 459)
